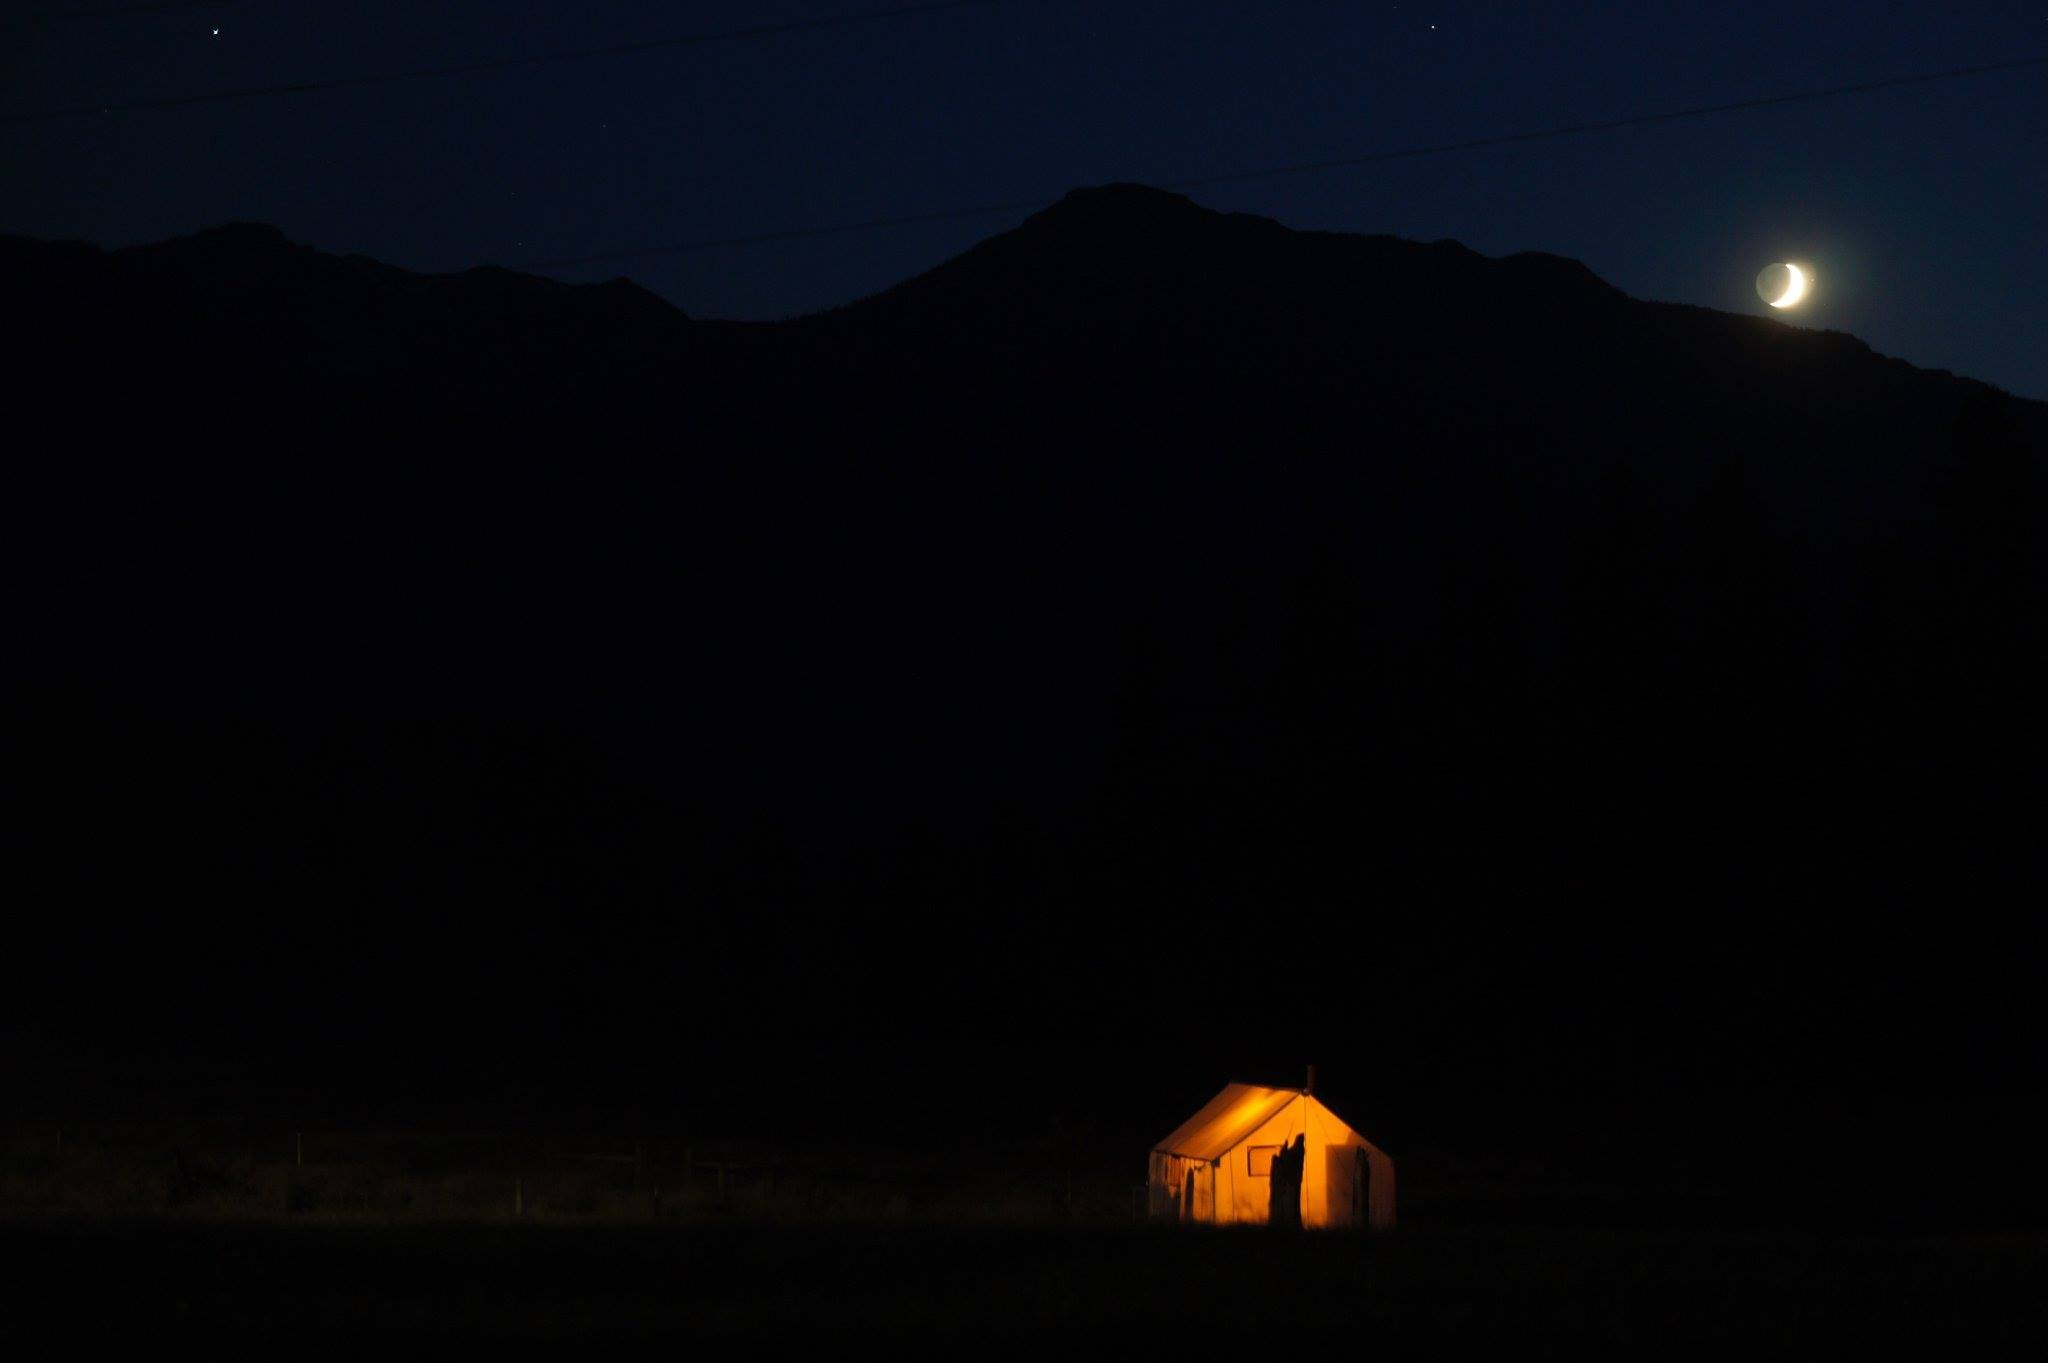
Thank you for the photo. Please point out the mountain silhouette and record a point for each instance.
(1578, 687)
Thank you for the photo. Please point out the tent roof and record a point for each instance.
(1225, 1120)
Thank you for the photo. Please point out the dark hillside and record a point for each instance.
(1531, 694)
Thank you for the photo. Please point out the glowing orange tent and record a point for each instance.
(1217, 1167)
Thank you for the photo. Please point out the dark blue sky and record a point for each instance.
(1923, 209)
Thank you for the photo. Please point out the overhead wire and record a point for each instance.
(60, 16)
(957, 212)
(767, 30)
(1300, 167)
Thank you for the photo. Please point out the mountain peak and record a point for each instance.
(230, 248)
(1139, 261)
(246, 233)
(1120, 207)
(230, 238)
(1126, 196)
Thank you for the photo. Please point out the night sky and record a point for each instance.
(1921, 208)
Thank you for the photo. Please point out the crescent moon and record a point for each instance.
(1795, 287)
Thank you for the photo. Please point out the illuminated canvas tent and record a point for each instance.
(1216, 1167)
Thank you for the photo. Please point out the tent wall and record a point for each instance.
(1181, 1189)
(1380, 1206)
(1346, 1180)
(1357, 1183)
(1242, 1198)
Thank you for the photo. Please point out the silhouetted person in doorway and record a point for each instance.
(1283, 1211)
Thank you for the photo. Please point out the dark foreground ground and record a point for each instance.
(1540, 1293)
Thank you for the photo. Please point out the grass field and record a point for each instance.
(1538, 1293)
(298, 1239)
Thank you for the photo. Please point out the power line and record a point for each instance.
(112, 12)
(795, 233)
(1607, 125)
(497, 64)
(1305, 167)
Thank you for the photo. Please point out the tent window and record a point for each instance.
(1258, 1160)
